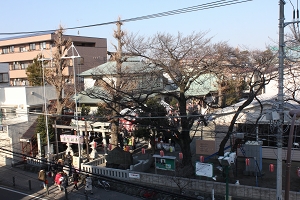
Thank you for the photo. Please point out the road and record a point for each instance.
(7, 193)
(12, 193)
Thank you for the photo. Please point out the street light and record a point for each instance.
(45, 104)
(294, 114)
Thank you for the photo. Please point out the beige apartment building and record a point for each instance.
(20, 51)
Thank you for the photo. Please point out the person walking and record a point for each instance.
(75, 179)
(58, 180)
(64, 181)
(88, 185)
(42, 177)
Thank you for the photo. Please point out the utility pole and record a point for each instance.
(280, 101)
(86, 139)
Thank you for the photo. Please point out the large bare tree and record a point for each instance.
(55, 75)
(183, 59)
(258, 68)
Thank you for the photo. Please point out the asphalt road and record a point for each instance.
(7, 194)
(13, 194)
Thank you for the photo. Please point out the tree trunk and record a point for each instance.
(231, 126)
(187, 168)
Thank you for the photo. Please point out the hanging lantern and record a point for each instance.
(143, 151)
(161, 153)
(202, 159)
(271, 168)
(180, 156)
(95, 144)
(247, 161)
(109, 146)
(127, 148)
(298, 171)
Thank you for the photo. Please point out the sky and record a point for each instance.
(247, 25)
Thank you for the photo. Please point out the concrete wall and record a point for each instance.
(23, 96)
(238, 191)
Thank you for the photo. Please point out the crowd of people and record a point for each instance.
(59, 172)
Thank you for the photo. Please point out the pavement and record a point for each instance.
(15, 178)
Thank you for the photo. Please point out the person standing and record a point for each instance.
(69, 162)
(42, 177)
(75, 179)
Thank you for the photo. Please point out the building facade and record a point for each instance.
(4, 74)
(20, 51)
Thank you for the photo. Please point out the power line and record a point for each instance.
(206, 6)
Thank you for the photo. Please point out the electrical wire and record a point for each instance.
(205, 6)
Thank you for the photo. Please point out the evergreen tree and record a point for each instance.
(41, 128)
(34, 72)
(85, 110)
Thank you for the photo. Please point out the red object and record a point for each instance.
(143, 151)
(271, 168)
(201, 158)
(298, 172)
(180, 156)
(127, 148)
(161, 153)
(57, 177)
(247, 161)
(95, 144)
(109, 146)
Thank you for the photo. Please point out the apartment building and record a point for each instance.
(20, 51)
(4, 76)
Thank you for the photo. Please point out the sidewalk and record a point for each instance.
(24, 180)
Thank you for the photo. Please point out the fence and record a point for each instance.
(237, 191)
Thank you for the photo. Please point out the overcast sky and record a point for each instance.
(252, 24)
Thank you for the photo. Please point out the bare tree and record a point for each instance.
(183, 59)
(117, 84)
(55, 75)
(260, 70)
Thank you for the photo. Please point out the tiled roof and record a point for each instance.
(130, 65)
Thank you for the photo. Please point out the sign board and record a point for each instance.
(205, 147)
(134, 175)
(165, 162)
(71, 139)
(204, 169)
(76, 162)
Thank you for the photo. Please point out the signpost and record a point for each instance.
(164, 162)
(204, 169)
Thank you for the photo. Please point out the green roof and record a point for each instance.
(130, 65)
(203, 85)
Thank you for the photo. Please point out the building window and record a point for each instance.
(32, 46)
(4, 78)
(24, 66)
(15, 66)
(43, 45)
(12, 49)
(5, 50)
(22, 49)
